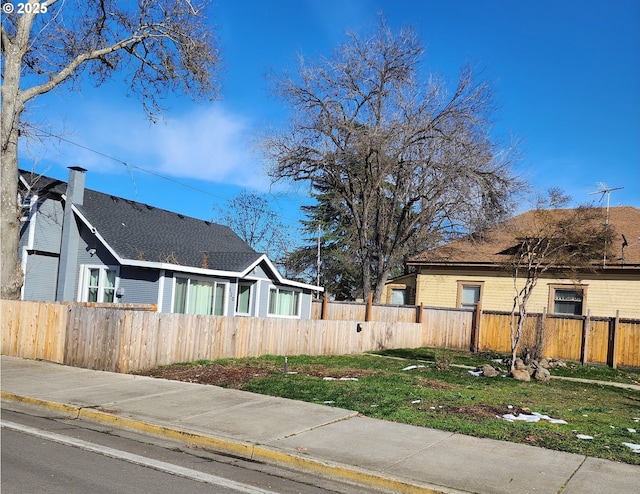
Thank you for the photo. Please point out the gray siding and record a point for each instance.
(263, 303)
(259, 272)
(48, 226)
(140, 285)
(305, 304)
(40, 278)
(165, 305)
(102, 257)
(41, 270)
(88, 240)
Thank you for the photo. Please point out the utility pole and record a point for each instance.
(318, 260)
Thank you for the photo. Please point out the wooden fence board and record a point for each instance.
(565, 338)
(628, 344)
(124, 340)
(494, 335)
(597, 347)
(33, 330)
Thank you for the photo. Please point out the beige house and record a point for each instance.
(465, 272)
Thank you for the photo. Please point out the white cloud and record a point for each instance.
(208, 143)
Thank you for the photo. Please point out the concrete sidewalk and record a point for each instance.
(326, 440)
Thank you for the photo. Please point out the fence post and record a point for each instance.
(325, 307)
(369, 308)
(541, 327)
(585, 338)
(613, 335)
(475, 330)
(420, 309)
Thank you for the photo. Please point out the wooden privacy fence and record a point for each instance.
(443, 328)
(130, 340)
(127, 340)
(598, 340)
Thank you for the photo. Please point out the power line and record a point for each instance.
(130, 166)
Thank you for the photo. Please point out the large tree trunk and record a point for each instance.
(11, 278)
(11, 272)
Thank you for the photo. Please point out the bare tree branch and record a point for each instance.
(157, 47)
(408, 160)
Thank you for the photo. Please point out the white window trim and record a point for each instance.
(83, 293)
(31, 236)
(225, 302)
(279, 289)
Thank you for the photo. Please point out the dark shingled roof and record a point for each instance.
(139, 232)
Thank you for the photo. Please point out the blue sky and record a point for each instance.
(566, 75)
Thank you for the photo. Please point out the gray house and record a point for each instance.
(77, 244)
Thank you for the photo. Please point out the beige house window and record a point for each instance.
(398, 294)
(568, 299)
(469, 294)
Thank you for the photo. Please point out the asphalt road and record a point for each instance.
(56, 455)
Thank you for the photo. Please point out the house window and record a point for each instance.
(199, 297)
(398, 296)
(469, 295)
(243, 300)
(567, 300)
(284, 302)
(100, 284)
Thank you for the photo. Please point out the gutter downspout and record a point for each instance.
(69, 244)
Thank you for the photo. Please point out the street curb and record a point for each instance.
(241, 449)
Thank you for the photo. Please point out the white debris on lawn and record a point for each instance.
(533, 417)
(414, 402)
(411, 367)
(340, 379)
(631, 430)
(583, 436)
(476, 373)
(634, 447)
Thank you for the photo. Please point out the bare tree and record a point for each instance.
(410, 163)
(565, 242)
(251, 217)
(157, 46)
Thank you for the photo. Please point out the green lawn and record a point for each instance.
(442, 395)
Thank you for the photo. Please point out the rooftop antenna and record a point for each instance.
(605, 190)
